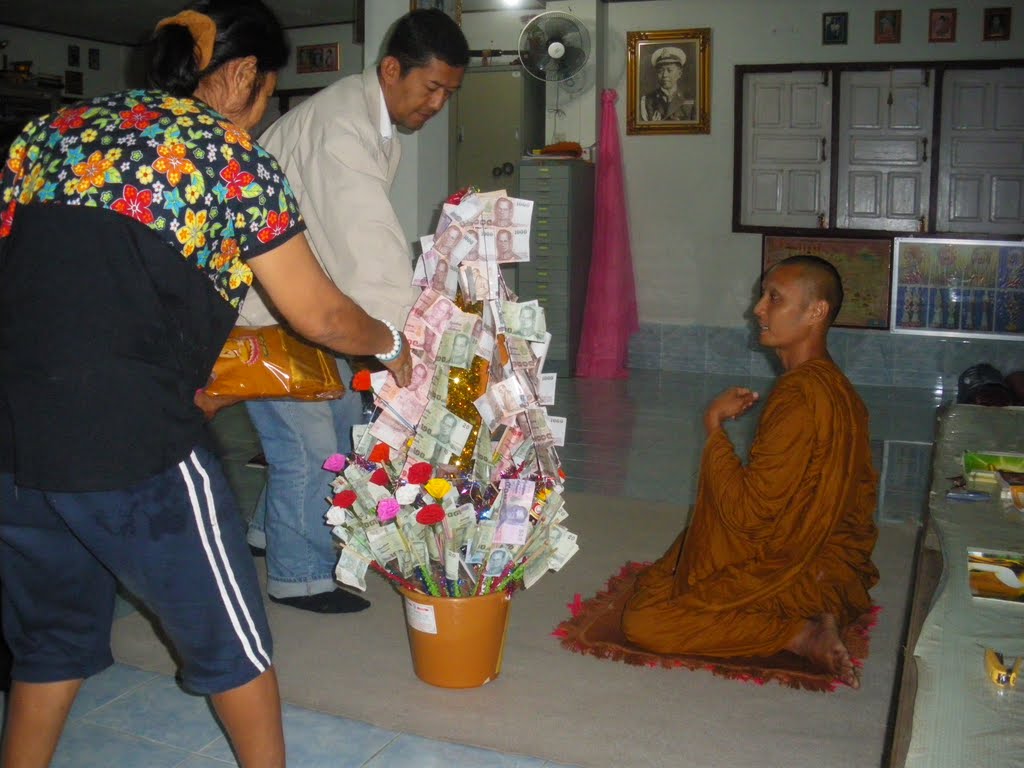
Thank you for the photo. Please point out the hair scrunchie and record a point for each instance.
(203, 31)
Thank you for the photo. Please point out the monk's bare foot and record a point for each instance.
(820, 643)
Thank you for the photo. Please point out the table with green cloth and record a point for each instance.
(960, 717)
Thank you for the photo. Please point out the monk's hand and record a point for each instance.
(731, 404)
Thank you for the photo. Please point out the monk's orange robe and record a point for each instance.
(775, 542)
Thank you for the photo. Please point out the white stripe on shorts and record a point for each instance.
(210, 528)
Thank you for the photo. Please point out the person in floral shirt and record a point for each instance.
(170, 164)
(132, 226)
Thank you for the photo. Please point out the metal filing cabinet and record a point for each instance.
(560, 245)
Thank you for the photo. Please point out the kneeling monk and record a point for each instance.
(777, 555)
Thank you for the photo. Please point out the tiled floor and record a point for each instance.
(640, 437)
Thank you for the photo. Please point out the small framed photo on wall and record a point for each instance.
(888, 26)
(94, 58)
(996, 25)
(942, 25)
(834, 28)
(325, 57)
(74, 56)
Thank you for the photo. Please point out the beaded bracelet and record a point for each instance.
(396, 348)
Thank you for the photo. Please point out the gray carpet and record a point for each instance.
(575, 709)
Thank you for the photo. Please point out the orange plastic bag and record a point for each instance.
(270, 362)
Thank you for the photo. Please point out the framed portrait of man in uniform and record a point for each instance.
(668, 81)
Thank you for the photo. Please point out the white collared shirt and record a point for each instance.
(386, 129)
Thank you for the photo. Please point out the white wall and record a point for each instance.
(690, 267)
(496, 29)
(49, 56)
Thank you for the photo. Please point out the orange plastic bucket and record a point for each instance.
(456, 642)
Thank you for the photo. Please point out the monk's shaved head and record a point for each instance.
(821, 280)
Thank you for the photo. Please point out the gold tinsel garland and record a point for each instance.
(464, 386)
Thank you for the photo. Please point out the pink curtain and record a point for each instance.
(609, 316)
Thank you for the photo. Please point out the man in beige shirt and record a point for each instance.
(340, 151)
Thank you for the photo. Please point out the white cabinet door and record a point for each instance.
(883, 171)
(981, 167)
(786, 132)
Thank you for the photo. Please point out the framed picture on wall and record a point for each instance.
(94, 58)
(74, 56)
(961, 288)
(996, 25)
(865, 267)
(452, 7)
(834, 28)
(323, 57)
(942, 25)
(888, 26)
(668, 81)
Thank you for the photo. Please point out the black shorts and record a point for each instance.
(175, 541)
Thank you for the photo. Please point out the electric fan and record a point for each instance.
(554, 46)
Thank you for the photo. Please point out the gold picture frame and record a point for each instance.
(997, 24)
(323, 57)
(683, 58)
(888, 26)
(452, 7)
(942, 25)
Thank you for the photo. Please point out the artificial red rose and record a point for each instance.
(344, 499)
(380, 477)
(456, 197)
(380, 453)
(361, 381)
(420, 472)
(430, 514)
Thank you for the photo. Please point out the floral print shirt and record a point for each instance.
(173, 164)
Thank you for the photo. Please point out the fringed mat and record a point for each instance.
(594, 629)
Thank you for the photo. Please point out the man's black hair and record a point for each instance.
(426, 34)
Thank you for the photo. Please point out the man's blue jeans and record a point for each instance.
(289, 517)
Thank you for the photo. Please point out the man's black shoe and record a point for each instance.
(338, 601)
